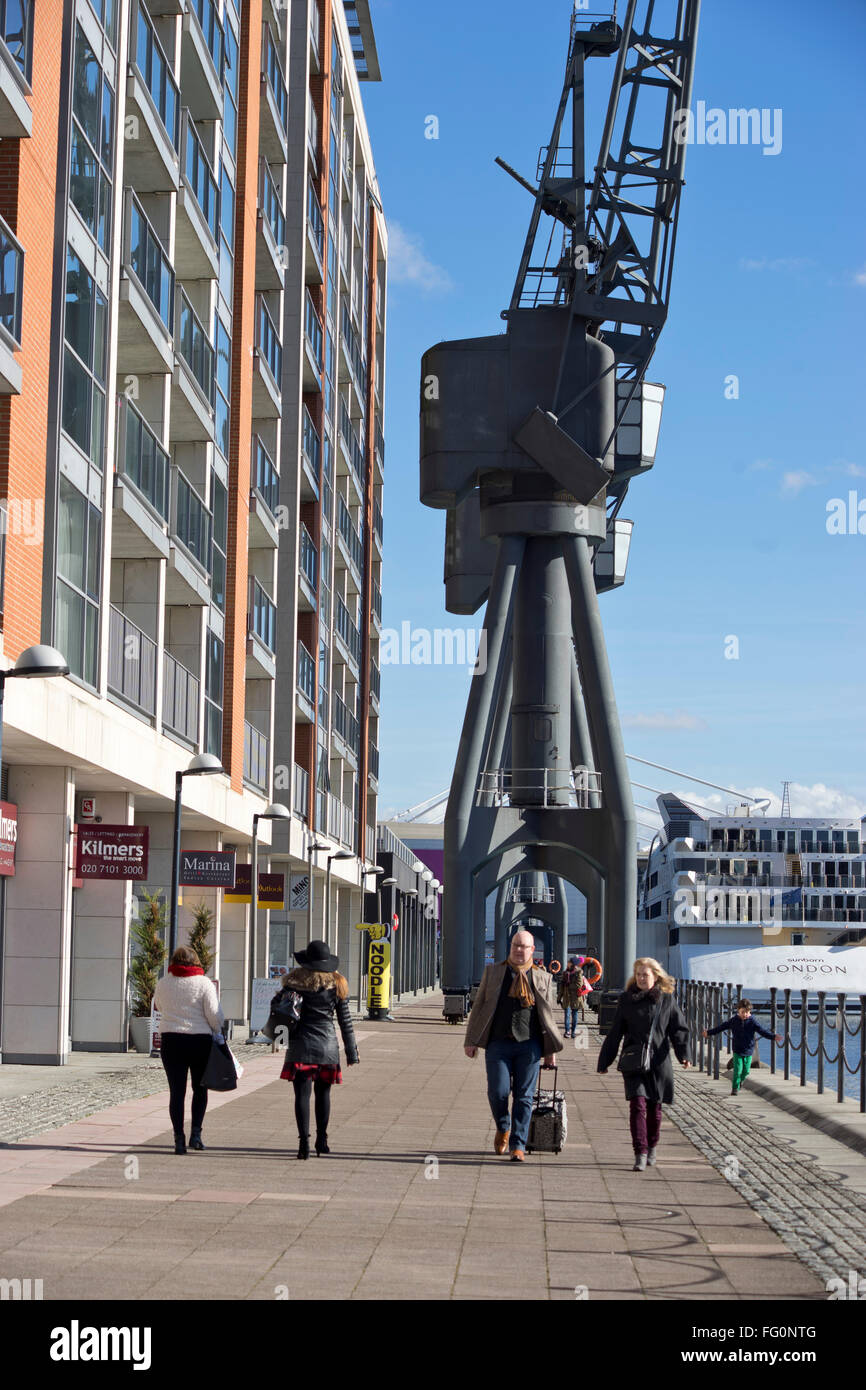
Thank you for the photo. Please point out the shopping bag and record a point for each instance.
(220, 1074)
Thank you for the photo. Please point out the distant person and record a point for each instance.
(190, 1015)
(513, 1019)
(313, 1055)
(648, 1021)
(743, 1029)
(571, 995)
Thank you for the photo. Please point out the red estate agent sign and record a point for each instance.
(8, 837)
(111, 851)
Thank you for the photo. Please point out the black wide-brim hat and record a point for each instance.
(317, 956)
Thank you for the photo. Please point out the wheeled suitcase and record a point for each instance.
(548, 1124)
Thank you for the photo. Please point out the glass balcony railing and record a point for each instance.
(352, 442)
(309, 558)
(180, 700)
(315, 27)
(131, 662)
(312, 444)
(306, 674)
(348, 631)
(378, 523)
(156, 74)
(268, 341)
(262, 616)
(315, 335)
(380, 442)
(377, 602)
(301, 792)
(11, 282)
(143, 459)
(273, 70)
(346, 725)
(192, 522)
(153, 269)
(375, 681)
(195, 347)
(316, 220)
(373, 761)
(353, 541)
(353, 350)
(16, 31)
(205, 12)
(266, 479)
(200, 177)
(272, 207)
(256, 757)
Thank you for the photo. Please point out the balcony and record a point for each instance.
(311, 453)
(196, 252)
(314, 339)
(270, 233)
(305, 705)
(274, 123)
(191, 527)
(257, 758)
(354, 358)
(376, 612)
(192, 399)
(131, 664)
(152, 128)
(261, 633)
(146, 302)
(351, 543)
(201, 60)
(11, 284)
(308, 573)
(264, 499)
(353, 450)
(347, 636)
(16, 62)
(181, 692)
(378, 526)
(301, 792)
(373, 765)
(379, 440)
(345, 726)
(268, 363)
(141, 489)
(314, 269)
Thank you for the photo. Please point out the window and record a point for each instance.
(16, 30)
(79, 564)
(92, 149)
(84, 360)
(220, 507)
(223, 391)
(106, 13)
(213, 689)
(227, 235)
(230, 94)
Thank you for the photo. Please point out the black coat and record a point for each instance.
(631, 1024)
(315, 1038)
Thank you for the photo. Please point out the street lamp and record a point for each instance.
(202, 765)
(276, 811)
(335, 854)
(312, 848)
(362, 953)
(35, 661)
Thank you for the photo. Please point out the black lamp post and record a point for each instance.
(276, 811)
(312, 848)
(34, 662)
(335, 854)
(202, 765)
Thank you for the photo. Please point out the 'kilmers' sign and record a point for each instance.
(111, 851)
(8, 837)
(207, 868)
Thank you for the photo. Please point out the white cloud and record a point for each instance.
(782, 264)
(859, 276)
(793, 483)
(680, 720)
(407, 264)
(816, 802)
(855, 470)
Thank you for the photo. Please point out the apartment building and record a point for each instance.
(155, 387)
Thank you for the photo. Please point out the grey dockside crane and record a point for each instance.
(529, 441)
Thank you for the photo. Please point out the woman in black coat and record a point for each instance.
(647, 1005)
(317, 993)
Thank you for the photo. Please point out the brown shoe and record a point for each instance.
(517, 1156)
(500, 1143)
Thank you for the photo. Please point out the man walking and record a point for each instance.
(513, 1019)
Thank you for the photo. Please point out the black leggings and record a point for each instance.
(184, 1053)
(302, 1083)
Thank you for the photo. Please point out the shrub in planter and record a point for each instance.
(148, 954)
(203, 920)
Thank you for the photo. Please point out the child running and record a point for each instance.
(743, 1029)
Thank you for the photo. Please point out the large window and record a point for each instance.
(230, 92)
(16, 30)
(227, 235)
(220, 508)
(86, 319)
(106, 13)
(223, 391)
(213, 689)
(79, 553)
(92, 151)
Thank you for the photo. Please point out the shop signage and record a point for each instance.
(379, 970)
(207, 868)
(8, 837)
(111, 851)
(299, 891)
(272, 888)
(831, 968)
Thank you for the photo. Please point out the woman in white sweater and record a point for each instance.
(190, 1014)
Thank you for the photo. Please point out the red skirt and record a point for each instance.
(330, 1075)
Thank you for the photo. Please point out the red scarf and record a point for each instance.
(184, 970)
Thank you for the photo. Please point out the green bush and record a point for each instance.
(148, 954)
(203, 920)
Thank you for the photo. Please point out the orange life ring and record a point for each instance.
(591, 960)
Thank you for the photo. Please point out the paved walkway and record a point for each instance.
(412, 1203)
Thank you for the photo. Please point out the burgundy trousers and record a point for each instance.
(645, 1122)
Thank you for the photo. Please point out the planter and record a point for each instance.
(140, 1032)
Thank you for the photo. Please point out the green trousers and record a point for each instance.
(742, 1067)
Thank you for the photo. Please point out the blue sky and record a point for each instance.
(769, 284)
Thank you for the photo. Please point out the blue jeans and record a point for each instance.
(513, 1066)
(570, 1019)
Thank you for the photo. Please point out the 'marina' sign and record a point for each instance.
(111, 851)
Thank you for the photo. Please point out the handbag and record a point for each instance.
(637, 1057)
(285, 1014)
(220, 1073)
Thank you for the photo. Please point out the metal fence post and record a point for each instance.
(717, 1040)
(773, 1030)
(862, 1054)
(787, 1043)
(820, 1049)
(804, 1023)
(840, 1055)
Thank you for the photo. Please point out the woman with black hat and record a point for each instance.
(313, 1055)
